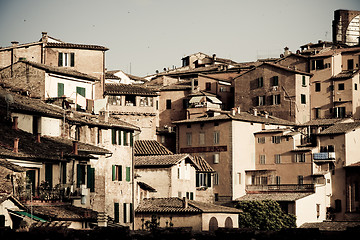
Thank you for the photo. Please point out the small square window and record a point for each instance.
(303, 99)
(341, 86)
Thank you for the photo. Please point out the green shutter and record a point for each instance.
(81, 91)
(72, 59)
(113, 136)
(90, 178)
(64, 175)
(48, 173)
(131, 213)
(191, 196)
(116, 212)
(60, 89)
(119, 137)
(197, 180)
(113, 172)
(125, 138)
(60, 63)
(78, 175)
(131, 139)
(128, 174)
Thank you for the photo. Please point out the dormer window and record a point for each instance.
(66, 59)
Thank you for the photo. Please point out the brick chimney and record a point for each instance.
(185, 202)
(15, 123)
(16, 145)
(44, 37)
(75, 147)
(38, 137)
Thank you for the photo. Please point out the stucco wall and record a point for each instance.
(221, 218)
(178, 220)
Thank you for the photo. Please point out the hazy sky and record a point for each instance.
(147, 35)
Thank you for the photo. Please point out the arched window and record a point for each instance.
(213, 224)
(228, 223)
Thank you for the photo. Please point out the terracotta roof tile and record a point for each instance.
(203, 165)
(127, 89)
(160, 160)
(150, 147)
(340, 128)
(146, 186)
(273, 196)
(75, 45)
(64, 212)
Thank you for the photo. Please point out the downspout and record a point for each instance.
(103, 77)
(133, 180)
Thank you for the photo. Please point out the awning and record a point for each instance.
(196, 99)
(23, 214)
(214, 99)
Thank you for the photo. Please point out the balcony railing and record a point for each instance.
(324, 156)
(282, 188)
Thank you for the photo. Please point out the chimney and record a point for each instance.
(238, 110)
(104, 116)
(266, 114)
(75, 147)
(255, 111)
(38, 137)
(233, 111)
(16, 145)
(44, 37)
(286, 52)
(15, 123)
(185, 202)
(214, 56)
(14, 43)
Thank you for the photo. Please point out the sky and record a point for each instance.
(148, 35)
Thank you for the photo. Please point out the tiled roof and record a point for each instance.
(12, 167)
(146, 186)
(243, 116)
(357, 164)
(332, 225)
(127, 89)
(60, 70)
(203, 164)
(273, 196)
(322, 122)
(150, 147)
(161, 160)
(74, 45)
(176, 205)
(50, 148)
(340, 128)
(345, 74)
(64, 212)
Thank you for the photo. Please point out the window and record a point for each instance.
(201, 138)
(341, 86)
(303, 82)
(80, 174)
(125, 138)
(113, 136)
(216, 178)
(114, 100)
(262, 159)
(146, 101)
(90, 178)
(203, 179)
(66, 59)
(317, 112)
(278, 180)
(277, 158)
(318, 64)
(49, 174)
(276, 139)
(350, 63)
(303, 99)
(179, 194)
(275, 81)
(317, 87)
(261, 100)
(127, 212)
(337, 205)
(260, 82)
(188, 139)
(130, 100)
(168, 104)
(339, 112)
(119, 137)
(216, 157)
(60, 89)
(261, 140)
(208, 86)
(300, 157)
(63, 173)
(355, 86)
(317, 210)
(116, 212)
(185, 103)
(116, 172)
(263, 180)
(300, 180)
(216, 137)
(274, 99)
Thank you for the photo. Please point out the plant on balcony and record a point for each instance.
(264, 215)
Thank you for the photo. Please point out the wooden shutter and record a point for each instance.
(72, 59)
(125, 213)
(60, 89)
(48, 173)
(209, 179)
(90, 178)
(81, 91)
(60, 63)
(119, 137)
(78, 175)
(197, 180)
(113, 172)
(128, 174)
(131, 213)
(119, 173)
(125, 138)
(131, 139)
(113, 136)
(64, 175)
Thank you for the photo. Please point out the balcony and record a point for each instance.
(281, 188)
(321, 156)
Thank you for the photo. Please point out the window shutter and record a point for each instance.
(197, 180)
(116, 212)
(48, 173)
(191, 196)
(131, 213)
(60, 63)
(119, 173)
(81, 91)
(78, 175)
(125, 215)
(209, 179)
(60, 89)
(128, 174)
(131, 139)
(113, 172)
(64, 172)
(113, 136)
(72, 59)
(90, 178)
(125, 138)
(119, 137)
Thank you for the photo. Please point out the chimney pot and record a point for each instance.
(16, 145)
(75, 147)
(38, 137)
